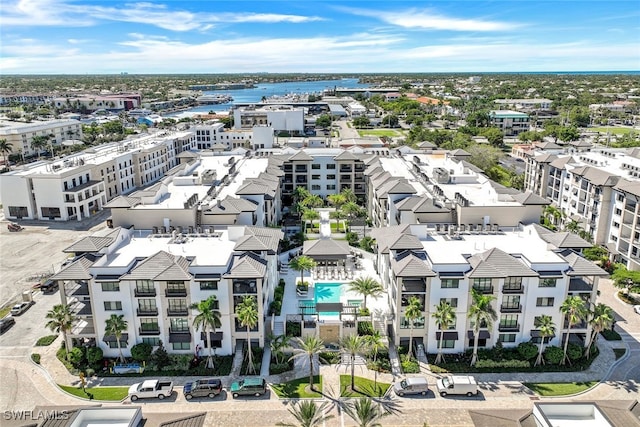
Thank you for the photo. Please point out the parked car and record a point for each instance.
(20, 308)
(150, 389)
(636, 308)
(6, 324)
(206, 387)
(457, 384)
(411, 385)
(49, 287)
(249, 387)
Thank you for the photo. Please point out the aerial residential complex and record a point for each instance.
(20, 135)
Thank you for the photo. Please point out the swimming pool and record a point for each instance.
(327, 292)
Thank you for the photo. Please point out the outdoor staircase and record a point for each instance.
(237, 359)
(422, 360)
(278, 329)
(380, 326)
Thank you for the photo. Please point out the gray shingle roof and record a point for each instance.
(160, 266)
(89, 244)
(247, 266)
(345, 155)
(529, 198)
(79, 270)
(405, 242)
(565, 239)
(324, 247)
(581, 266)
(385, 236)
(497, 263)
(628, 187)
(419, 204)
(123, 202)
(301, 156)
(411, 266)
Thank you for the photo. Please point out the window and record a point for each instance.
(315, 166)
(620, 197)
(145, 286)
(506, 337)
(18, 211)
(316, 187)
(513, 282)
(453, 302)
(112, 305)
(544, 302)
(114, 344)
(331, 166)
(153, 341)
(177, 304)
(147, 305)
(180, 324)
(209, 286)
(181, 346)
(616, 224)
(548, 283)
(417, 323)
(316, 177)
(331, 187)
(110, 287)
(508, 321)
(50, 212)
(510, 302)
(331, 176)
(149, 325)
(448, 343)
(482, 284)
(449, 283)
(618, 211)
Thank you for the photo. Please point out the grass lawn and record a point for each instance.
(619, 352)
(5, 311)
(379, 132)
(612, 129)
(559, 389)
(99, 393)
(46, 340)
(364, 387)
(297, 388)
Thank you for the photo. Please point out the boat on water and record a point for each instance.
(214, 99)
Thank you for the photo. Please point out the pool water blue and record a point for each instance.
(327, 292)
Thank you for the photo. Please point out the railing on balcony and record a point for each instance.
(179, 330)
(147, 311)
(144, 292)
(511, 308)
(177, 311)
(245, 288)
(509, 327)
(176, 292)
(513, 289)
(149, 331)
(484, 289)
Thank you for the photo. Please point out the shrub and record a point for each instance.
(275, 308)
(574, 351)
(45, 341)
(141, 352)
(76, 356)
(330, 357)
(278, 368)
(89, 372)
(611, 335)
(498, 351)
(409, 366)
(352, 238)
(294, 329)
(94, 355)
(527, 350)
(365, 328)
(553, 355)
(35, 357)
(160, 357)
(502, 364)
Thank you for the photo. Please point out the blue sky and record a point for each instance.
(235, 36)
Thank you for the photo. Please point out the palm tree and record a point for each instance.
(247, 313)
(5, 148)
(116, 325)
(309, 346)
(354, 345)
(445, 317)
(600, 318)
(349, 195)
(302, 263)
(207, 319)
(299, 194)
(353, 210)
(366, 412)
(312, 201)
(309, 215)
(62, 321)
(547, 329)
(481, 312)
(308, 414)
(366, 286)
(575, 310)
(278, 344)
(412, 313)
(375, 343)
(38, 142)
(336, 200)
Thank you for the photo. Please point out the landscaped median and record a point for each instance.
(559, 389)
(363, 387)
(115, 394)
(299, 389)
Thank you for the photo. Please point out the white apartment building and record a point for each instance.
(100, 102)
(215, 136)
(278, 117)
(355, 109)
(79, 185)
(24, 98)
(525, 104)
(528, 272)
(511, 123)
(597, 189)
(152, 279)
(21, 134)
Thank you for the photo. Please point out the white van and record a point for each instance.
(411, 385)
(457, 384)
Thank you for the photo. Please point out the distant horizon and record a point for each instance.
(77, 37)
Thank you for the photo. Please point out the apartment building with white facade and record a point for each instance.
(215, 136)
(279, 117)
(116, 102)
(529, 272)
(152, 279)
(511, 123)
(20, 134)
(79, 185)
(598, 190)
(525, 104)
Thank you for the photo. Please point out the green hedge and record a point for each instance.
(35, 357)
(45, 341)
(492, 364)
(610, 335)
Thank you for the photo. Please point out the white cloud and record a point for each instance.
(431, 20)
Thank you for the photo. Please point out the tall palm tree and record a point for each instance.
(412, 313)
(336, 200)
(61, 321)
(600, 318)
(38, 142)
(375, 343)
(547, 329)
(480, 312)
(5, 149)
(302, 263)
(207, 319)
(309, 346)
(353, 345)
(312, 201)
(574, 310)
(299, 194)
(366, 286)
(309, 215)
(349, 195)
(116, 325)
(308, 414)
(445, 316)
(247, 312)
(366, 412)
(278, 344)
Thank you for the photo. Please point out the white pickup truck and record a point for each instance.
(150, 389)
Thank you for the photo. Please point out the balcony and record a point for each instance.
(177, 311)
(245, 288)
(144, 292)
(76, 289)
(147, 311)
(509, 327)
(513, 290)
(511, 308)
(149, 331)
(175, 292)
(484, 289)
(345, 168)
